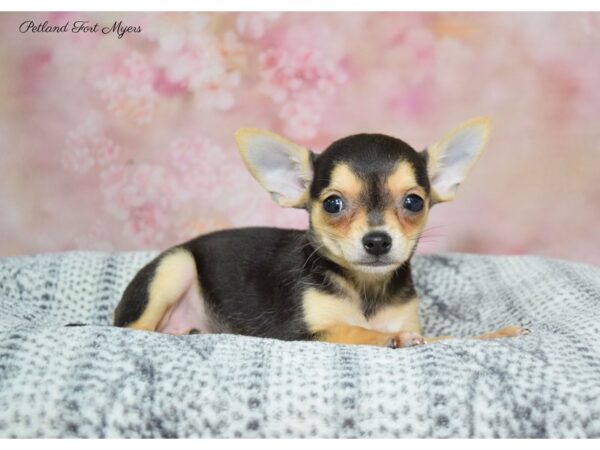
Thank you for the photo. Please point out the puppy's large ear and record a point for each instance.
(280, 166)
(450, 160)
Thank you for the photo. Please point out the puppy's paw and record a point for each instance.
(406, 339)
(510, 331)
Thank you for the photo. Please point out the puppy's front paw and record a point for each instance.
(510, 331)
(406, 339)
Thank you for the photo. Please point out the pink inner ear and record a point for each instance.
(456, 159)
(281, 167)
(189, 313)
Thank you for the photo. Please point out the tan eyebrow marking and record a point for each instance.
(402, 179)
(344, 180)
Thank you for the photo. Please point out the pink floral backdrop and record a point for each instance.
(123, 144)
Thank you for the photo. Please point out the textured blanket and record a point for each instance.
(100, 381)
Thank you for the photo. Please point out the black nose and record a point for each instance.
(377, 243)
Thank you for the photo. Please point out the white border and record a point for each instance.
(300, 5)
(299, 444)
(303, 5)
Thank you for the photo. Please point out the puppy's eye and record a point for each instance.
(333, 204)
(413, 203)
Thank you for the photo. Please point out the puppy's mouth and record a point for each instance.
(377, 267)
(376, 263)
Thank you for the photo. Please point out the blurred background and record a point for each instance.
(122, 144)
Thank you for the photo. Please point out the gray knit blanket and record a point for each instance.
(101, 381)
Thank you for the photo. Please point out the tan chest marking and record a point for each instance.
(323, 311)
(402, 317)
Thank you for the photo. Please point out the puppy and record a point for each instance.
(347, 279)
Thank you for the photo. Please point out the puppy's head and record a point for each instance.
(368, 195)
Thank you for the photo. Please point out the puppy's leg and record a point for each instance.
(173, 302)
(348, 334)
(510, 331)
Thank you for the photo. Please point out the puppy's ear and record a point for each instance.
(280, 166)
(450, 160)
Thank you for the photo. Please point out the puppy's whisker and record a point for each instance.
(433, 227)
(311, 255)
(330, 232)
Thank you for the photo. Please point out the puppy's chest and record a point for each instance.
(351, 307)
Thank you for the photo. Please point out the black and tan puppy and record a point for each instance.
(346, 279)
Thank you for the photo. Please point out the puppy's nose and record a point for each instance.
(377, 243)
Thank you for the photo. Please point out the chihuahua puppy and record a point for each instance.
(347, 279)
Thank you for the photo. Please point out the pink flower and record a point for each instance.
(151, 199)
(413, 102)
(148, 223)
(191, 58)
(77, 159)
(197, 166)
(86, 146)
(127, 88)
(253, 25)
(139, 195)
(304, 80)
(186, 154)
(200, 68)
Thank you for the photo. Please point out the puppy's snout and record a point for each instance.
(377, 243)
